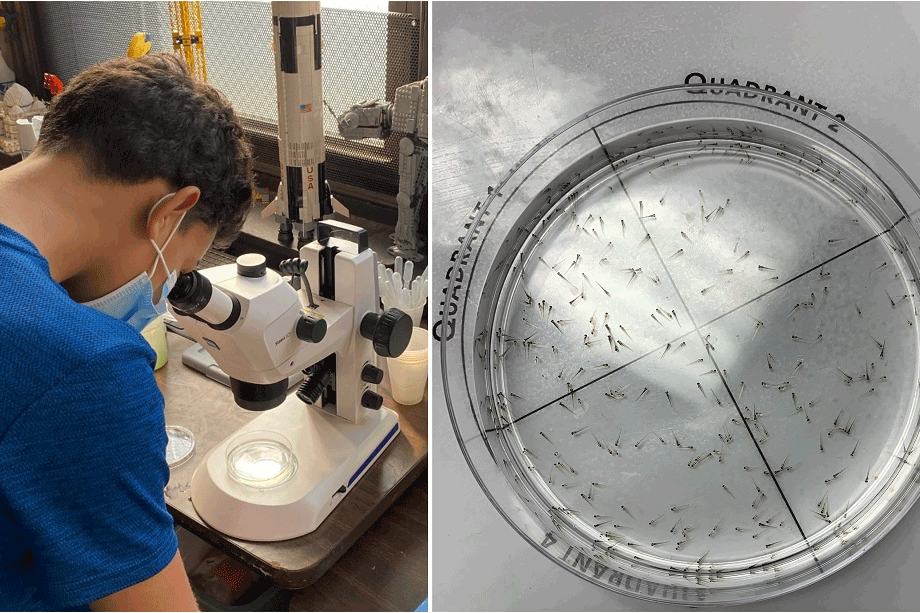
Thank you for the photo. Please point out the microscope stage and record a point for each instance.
(331, 455)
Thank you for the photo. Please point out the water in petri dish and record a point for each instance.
(704, 360)
(261, 463)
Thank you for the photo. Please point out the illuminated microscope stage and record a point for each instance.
(686, 351)
(331, 455)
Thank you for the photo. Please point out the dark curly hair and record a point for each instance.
(135, 120)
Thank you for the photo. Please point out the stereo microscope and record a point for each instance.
(281, 475)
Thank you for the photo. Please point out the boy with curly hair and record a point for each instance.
(138, 170)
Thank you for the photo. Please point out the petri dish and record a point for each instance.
(180, 445)
(679, 345)
(261, 459)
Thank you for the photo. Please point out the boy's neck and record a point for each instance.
(86, 229)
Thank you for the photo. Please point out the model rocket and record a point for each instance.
(303, 196)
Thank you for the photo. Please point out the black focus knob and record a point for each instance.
(251, 265)
(371, 374)
(311, 329)
(371, 400)
(390, 332)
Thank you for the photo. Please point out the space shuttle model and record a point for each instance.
(303, 196)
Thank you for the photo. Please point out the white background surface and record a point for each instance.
(507, 74)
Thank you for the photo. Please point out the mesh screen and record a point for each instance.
(366, 55)
(215, 257)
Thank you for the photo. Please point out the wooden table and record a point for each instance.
(208, 410)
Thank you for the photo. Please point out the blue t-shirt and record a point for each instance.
(82, 445)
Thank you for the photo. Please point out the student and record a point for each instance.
(138, 169)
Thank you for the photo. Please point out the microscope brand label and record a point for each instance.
(802, 109)
(282, 339)
(596, 570)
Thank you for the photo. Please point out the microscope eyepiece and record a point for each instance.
(191, 293)
(194, 296)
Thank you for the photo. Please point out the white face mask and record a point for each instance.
(133, 303)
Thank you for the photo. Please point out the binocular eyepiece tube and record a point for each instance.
(194, 296)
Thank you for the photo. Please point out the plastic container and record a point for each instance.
(682, 353)
(155, 335)
(409, 372)
(28, 131)
(398, 289)
(180, 445)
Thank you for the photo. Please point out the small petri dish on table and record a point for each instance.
(180, 445)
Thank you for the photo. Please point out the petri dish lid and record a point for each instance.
(681, 354)
(261, 459)
(180, 445)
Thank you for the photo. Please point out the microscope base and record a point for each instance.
(332, 454)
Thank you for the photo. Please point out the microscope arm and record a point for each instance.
(260, 330)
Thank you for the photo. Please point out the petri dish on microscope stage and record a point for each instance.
(680, 352)
(261, 459)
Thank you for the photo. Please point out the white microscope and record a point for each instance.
(281, 475)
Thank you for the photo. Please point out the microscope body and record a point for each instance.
(260, 330)
(345, 273)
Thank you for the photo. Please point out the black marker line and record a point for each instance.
(718, 370)
(810, 270)
(697, 329)
(712, 359)
(764, 458)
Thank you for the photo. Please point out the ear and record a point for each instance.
(187, 197)
(165, 217)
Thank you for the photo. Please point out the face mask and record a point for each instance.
(133, 303)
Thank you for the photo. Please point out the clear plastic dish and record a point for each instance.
(180, 445)
(680, 345)
(261, 459)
